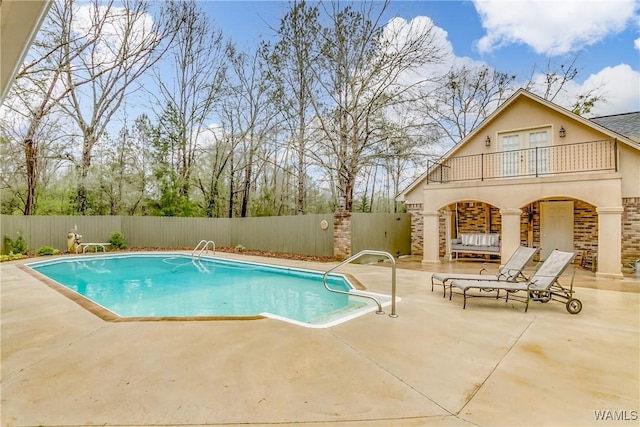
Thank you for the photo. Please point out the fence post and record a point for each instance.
(341, 234)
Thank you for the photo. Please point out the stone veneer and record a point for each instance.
(341, 235)
(417, 228)
(630, 230)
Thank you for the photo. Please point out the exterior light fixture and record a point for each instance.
(487, 141)
(562, 132)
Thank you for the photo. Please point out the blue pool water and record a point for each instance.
(171, 285)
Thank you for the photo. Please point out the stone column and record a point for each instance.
(341, 235)
(510, 239)
(609, 242)
(431, 241)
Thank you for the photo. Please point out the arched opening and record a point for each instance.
(470, 218)
(562, 223)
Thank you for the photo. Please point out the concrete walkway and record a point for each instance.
(436, 364)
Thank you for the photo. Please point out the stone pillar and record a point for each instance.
(609, 242)
(341, 235)
(417, 232)
(510, 239)
(431, 241)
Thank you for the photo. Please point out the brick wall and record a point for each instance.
(442, 229)
(342, 235)
(630, 230)
(417, 227)
(585, 228)
(472, 218)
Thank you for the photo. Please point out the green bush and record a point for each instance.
(16, 247)
(11, 256)
(47, 250)
(117, 241)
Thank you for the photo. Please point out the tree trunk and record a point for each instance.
(81, 197)
(31, 158)
(231, 186)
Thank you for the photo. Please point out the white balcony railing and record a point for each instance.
(589, 156)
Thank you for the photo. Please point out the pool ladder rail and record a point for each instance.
(203, 246)
(393, 279)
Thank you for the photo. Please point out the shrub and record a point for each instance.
(47, 250)
(16, 247)
(117, 240)
(11, 256)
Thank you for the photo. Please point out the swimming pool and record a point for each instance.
(176, 286)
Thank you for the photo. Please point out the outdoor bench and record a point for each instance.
(85, 246)
(476, 243)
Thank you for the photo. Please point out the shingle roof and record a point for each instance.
(627, 124)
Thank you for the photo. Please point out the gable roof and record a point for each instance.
(524, 93)
(627, 124)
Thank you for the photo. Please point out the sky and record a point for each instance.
(518, 37)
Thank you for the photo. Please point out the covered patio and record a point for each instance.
(512, 197)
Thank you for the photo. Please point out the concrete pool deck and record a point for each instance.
(436, 364)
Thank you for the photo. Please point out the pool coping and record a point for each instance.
(110, 316)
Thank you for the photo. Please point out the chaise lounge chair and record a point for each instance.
(510, 272)
(543, 286)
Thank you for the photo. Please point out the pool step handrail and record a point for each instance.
(199, 266)
(202, 246)
(393, 279)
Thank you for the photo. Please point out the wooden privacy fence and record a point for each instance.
(302, 235)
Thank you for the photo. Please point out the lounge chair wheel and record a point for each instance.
(574, 306)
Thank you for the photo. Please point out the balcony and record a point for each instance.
(563, 159)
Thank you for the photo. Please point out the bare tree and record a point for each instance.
(360, 65)
(553, 82)
(120, 43)
(123, 169)
(295, 82)
(466, 96)
(189, 92)
(215, 162)
(39, 89)
(248, 108)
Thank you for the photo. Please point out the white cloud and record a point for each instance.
(636, 43)
(118, 27)
(619, 86)
(401, 31)
(551, 28)
(621, 89)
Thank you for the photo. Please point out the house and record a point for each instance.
(537, 175)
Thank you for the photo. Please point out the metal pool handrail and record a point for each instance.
(393, 279)
(205, 246)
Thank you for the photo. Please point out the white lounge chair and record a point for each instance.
(510, 272)
(543, 286)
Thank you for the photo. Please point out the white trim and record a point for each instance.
(18, 10)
